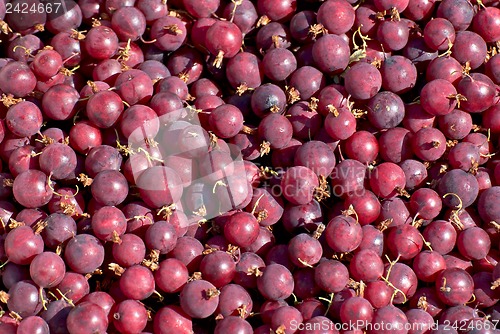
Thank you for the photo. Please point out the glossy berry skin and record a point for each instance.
(337, 16)
(101, 42)
(474, 243)
(223, 37)
(387, 179)
(84, 253)
(242, 229)
(87, 318)
(276, 282)
(363, 81)
(25, 298)
(137, 282)
(299, 184)
(454, 286)
(199, 299)
(129, 316)
(31, 189)
(385, 110)
(22, 245)
(47, 269)
(343, 234)
(24, 119)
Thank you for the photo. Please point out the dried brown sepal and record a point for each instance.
(495, 284)
(267, 172)
(201, 211)
(167, 211)
(85, 180)
(209, 250)
(213, 139)
(184, 76)
(15, 316)
(211, 293)
(342, 256)
(9, 100)
(218, 59)
(116, 238)
(4, 297)
(358, 287)
(8, 182)
(333, 110)
(417, 222)
(39, 227)
(322, 191)
(313, 104)
(422, 303)
(114, 267)
(234, 251)
(444, 168)
(265, 148)
(495, 225)
(384, 224)
(458, 98)
(242, 88)
(377, 62)
(243, 311)
(95, 272)
(124, 53)
(92, 86)
(254, 271)
(319, 231)
(174, 29)
(67, 72)
(261, 215)
(474, 167)
(59, 249)
(350, 211)
(395, 14)
(263, 20)
(402, 192)
(281, 330)
(317, 29)
(292, 94)
(78, 35)
(195, 277)
(14, 224)
(4, 27)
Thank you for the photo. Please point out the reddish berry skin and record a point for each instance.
(277, 10)
(242, 229)
(454, 286)
(137, 282)
(199, 299)
(225, 37)
(89, 316)
(337, 16)
(130, 316)
(22, 245)
(387, 179)
(101, 42)
(276, 282)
